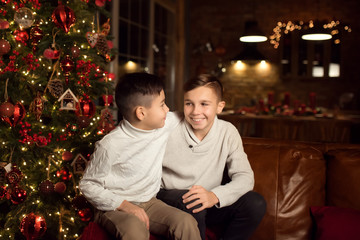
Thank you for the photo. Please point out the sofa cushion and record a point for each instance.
(291, 177)
(334, 223)
(343, 169)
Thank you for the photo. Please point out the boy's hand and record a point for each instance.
(199, 195)
(128, 207)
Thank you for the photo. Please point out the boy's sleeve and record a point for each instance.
(173, 119)
(92, 185)
(239, 171)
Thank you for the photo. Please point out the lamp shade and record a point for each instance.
(316, 32)
(250, 52)
(252, 33)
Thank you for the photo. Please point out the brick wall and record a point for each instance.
(222, 22)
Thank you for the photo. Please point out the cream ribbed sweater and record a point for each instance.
(189, 162)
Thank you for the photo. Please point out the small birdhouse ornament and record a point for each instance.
(79, 164)
(68, 100)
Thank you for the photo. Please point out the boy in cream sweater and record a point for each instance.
(124, 174)
(196, 155)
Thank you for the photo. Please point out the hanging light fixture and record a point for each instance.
(250, 53)
(316, 32)
(252, 33)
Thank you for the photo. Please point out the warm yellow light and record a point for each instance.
(239, 65)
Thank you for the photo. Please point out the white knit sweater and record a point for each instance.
(189, 162)
(126, 165)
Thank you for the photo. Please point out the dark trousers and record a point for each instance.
(239, 219)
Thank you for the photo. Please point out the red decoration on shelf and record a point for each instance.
(33, 226)
(86, 107)
(312, 100)
(4, 47)
(63, 17)
(17, 195)
(21, 36)
(19, 114)
(47, 187)
(7, 109)
(67, 65)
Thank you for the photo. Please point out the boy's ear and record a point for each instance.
(220, 107)
(140, 113)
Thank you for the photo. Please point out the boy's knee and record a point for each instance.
(185, 226)
(132, 228)
(256, 205)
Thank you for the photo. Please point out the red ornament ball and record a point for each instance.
(4, 47)
(60, 187)
(21, 36)
(46, 187)
(19, 114)
(18, 195)
(33, 226)
(14, 176)
(75, 51)
(79, 202)
(7, 109)
(67, 156)
(85, 214)
(51, 53)
(63, 17)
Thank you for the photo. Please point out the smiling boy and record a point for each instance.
(124, 174)
(196, 155)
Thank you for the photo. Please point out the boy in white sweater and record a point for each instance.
(198, 151)
(124, 174)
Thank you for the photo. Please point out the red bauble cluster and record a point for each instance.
(33, 226)
(83, 208)
(64, 174)
(17, 195)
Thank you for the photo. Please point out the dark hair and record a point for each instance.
(206, 80)
(136, 89)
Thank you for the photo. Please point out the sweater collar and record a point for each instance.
(194, 142)
(133, 131)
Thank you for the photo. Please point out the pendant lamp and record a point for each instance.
(316, 32)
(252, 33)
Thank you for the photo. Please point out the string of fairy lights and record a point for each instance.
(335, 27)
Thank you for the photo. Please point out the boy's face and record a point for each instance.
(200, 108)
(155, 115)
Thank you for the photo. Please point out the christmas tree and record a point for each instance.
(55, 103)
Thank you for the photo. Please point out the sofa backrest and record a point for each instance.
(292, 177)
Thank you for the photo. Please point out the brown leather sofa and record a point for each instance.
(294, 176)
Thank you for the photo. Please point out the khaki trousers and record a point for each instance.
(164, 220)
